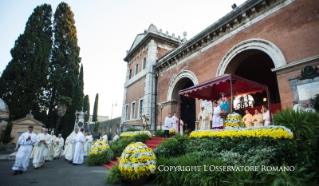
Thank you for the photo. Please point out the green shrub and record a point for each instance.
(304, 125)
(132, 129)
(159, 133)
(315, 102)
(173, 147)
(114, 176)
(141, 138)
(247, 178)
(298, 177)
(98, 159)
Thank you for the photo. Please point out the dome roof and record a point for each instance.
(3, 106)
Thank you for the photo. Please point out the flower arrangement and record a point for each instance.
(234, 120)
(99, 146)
(172, 130)
(275, 132)
(137, 160)
(131, 134)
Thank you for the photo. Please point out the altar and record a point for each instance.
(229, 84)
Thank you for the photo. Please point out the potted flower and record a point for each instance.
(136, 163)
(98, 146)
(234, 120)
(172, 132)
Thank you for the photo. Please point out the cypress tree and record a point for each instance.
(86, 107)
(77, 103)
(24, 83)
(64, 63)
(96, 107)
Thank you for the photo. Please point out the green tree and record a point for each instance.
(86, 107)
(24, 83)
(77, 103)
(64, 67)
(96, 107)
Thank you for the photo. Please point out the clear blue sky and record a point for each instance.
(106, 29)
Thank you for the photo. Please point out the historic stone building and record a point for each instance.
(267, 41)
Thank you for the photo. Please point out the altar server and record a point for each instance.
(87, 144)
(58, 147)
(78, 152)
(42, 149)
(167, 125)
(217, 120)
(26, 141)
(297, 107)
(266, 117)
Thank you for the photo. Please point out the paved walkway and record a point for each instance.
(55, 173)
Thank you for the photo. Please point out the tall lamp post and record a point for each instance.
(161, 107)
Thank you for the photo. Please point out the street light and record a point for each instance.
(161, 107)
(114, 104)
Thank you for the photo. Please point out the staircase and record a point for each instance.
(152, 143)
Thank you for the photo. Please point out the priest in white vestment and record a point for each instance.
(217, 120)
(257, 119)
(69, 153)
(42, 149)
(26, 142)
(175, 122)
(35, 146)
(266, 116)
(203, 118)
(78, 152)
(66, 147)
(247, 119)
(58, 147)
(181, 126)
(50, 154)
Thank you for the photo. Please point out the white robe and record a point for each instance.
(298, 108)
(168, 123)
(69, 152)
(116, 137)
(34, 147)
(104, 138)
(175, 123)
(217, 120)
(87, 145)
(50, 154)
(66, 147)
(58, 148)
(24, 152)
(78, 152)
(266, 118)
(41, 151)
(181, 125)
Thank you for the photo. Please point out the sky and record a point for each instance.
(106, 29)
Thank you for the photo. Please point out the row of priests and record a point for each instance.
(258, 119)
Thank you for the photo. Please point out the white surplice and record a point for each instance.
(78, 157)
(58, 147)
(181, 126)
(41, 151)
(266, 118)
(24, 152)
(104, 138)
(217, 120)
(50, 154)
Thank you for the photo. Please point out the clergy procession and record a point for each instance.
(46, 147)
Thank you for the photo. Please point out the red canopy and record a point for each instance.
(211, 89)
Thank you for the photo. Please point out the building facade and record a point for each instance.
(266, 41)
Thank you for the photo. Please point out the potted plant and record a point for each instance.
(172, 132)
(136, 163)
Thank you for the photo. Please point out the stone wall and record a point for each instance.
(110, 127)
